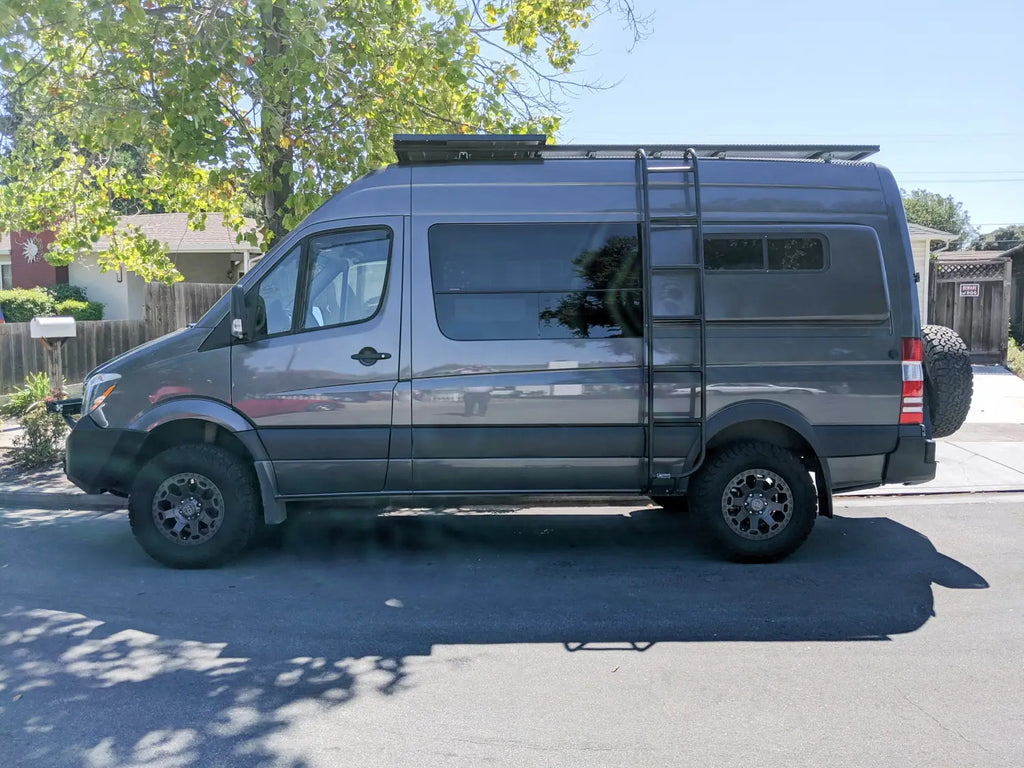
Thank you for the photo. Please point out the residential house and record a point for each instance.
(921, 239)
(212, 255)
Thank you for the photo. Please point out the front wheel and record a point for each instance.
(194, 506)
(756, 501)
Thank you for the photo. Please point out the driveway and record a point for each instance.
(547, 638)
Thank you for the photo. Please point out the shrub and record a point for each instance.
(36, 389)
(80, 310)
(63, 292)
(42, 438)
(21, 305)
(1015, 358)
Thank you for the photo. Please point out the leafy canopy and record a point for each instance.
(112, 106)
(930, 209)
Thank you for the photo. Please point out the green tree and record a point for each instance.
(1002, 239)
(930, 209)
(109, 106)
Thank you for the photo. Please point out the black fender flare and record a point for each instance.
(759, 410)
(227, 418)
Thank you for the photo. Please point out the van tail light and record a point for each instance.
(912, 402)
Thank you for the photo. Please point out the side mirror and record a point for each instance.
(241, 322)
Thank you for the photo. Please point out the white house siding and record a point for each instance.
(206, 267)
(919, 247)
(123, 300)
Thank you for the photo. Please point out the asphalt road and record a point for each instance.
(894, 637)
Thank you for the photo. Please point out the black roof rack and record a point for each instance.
(449, 148)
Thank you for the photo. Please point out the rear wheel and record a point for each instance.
(756, 501)
(194, 506)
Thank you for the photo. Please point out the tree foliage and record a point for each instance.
(930, 209)
(113, 106)
(1002, 239)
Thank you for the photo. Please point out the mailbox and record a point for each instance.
(52, 327)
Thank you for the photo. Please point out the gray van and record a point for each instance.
(732, 328)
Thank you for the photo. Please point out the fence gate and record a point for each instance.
(972, 296)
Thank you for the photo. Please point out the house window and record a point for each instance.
(767, 253)
(536, 281)
(5, 277)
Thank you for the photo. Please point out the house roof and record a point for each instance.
(172, 228)
(916, 230)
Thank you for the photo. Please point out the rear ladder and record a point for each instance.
(675, 329)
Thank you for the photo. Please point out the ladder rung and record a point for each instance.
(666, 319)
(680, 219)
(675, 420)
(670, 169)
(676, 267)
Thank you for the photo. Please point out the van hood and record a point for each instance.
(172, 340)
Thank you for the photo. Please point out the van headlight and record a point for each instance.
(97, 389)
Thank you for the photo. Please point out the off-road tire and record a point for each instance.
(713, 481)
(234, 479)
(948, 380)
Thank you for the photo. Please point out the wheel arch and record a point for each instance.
(778, 425)
(198, 420)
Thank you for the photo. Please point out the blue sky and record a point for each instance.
(939, 85)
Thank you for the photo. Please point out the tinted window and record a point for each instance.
(348, 270)
(803, 253)
(517, 281)
(729, 253)
(276, 296)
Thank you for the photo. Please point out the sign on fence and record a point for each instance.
(970, 290)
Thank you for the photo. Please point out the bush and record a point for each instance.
(36, 389)
(42, 439)
(63, 292)
(1015, 358)
(21, 304)
(80, 310)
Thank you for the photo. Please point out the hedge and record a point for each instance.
(20, 305)
(65, 291)
(80, 310)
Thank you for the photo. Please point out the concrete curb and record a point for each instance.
(83, 501)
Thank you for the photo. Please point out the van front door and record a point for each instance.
(319, 378)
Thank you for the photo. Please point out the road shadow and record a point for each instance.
(107, 658)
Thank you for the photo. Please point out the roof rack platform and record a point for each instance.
(415, 149)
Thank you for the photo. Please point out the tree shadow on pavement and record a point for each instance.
(108, 659)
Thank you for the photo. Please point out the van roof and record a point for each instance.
(415, 149)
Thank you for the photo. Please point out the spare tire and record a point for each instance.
(948, 379)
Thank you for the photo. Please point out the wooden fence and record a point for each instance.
(167, 308)
(972, 296)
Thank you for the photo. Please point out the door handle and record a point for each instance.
(369, 356)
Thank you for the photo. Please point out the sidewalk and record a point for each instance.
(986, 455)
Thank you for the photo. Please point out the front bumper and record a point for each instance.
(913, 461)
(101, 460)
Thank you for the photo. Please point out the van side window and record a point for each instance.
(536, 281)
(347, 275)
(802, 253)
(774, 254)
(721, 253)
(275, 297)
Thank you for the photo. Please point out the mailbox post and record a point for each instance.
(53, 332)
